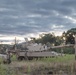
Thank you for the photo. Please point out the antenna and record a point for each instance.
(15, 43)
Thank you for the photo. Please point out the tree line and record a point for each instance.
(67, 37)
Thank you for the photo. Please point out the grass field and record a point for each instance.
(66, 58)
(41, 66)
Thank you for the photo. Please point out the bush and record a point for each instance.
(67, 50)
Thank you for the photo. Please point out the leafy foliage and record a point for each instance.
(70, 35)
(48, 38)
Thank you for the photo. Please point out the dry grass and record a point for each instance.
(58, 66)
(42, 68)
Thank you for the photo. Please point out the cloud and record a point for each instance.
(4, 9)
(57, 26)
(70, 18)
(22, 17)
(34, 15)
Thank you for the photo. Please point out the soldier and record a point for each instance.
(8, 57)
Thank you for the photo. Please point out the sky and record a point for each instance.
(28, 18)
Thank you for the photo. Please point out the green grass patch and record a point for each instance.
(66, 58)
(13, 58)
(1, 60)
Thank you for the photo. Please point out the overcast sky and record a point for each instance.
(29, 17)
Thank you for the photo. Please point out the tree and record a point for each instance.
(70, 36)
(58, 40)
(51, 38)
